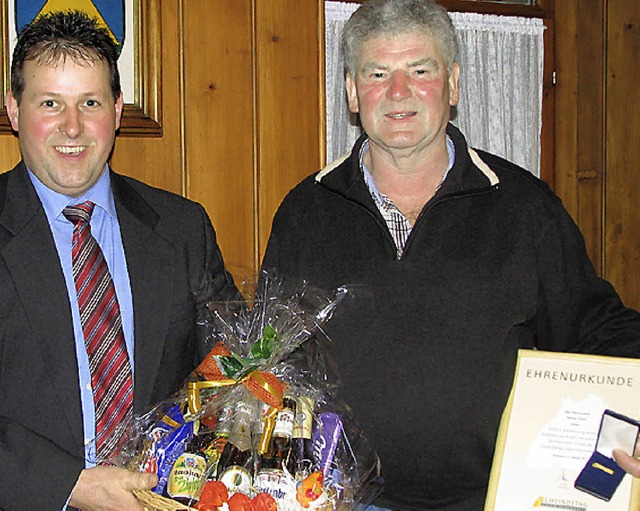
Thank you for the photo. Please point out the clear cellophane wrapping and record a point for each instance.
(268, 365)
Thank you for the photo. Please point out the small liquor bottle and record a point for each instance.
(235, 466)
(301, 459)
(271, 477)
(187, 475)
(214, 447)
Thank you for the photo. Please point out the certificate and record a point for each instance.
(550, 430)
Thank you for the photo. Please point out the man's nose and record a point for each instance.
(71, 124)
(399, 87)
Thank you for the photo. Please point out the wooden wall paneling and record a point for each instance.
(157, 160)
(219, 126)
(566, 128)
(9, 151)
(590, 122)
(289, 100)
(579, 116)
(622, 191)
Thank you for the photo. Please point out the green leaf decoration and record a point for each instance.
(263, 347)
(235, 367)
(231, 366)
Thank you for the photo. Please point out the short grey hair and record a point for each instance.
(394, 17)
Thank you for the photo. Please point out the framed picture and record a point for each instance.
(137, 29)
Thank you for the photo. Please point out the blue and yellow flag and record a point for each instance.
(109, 13)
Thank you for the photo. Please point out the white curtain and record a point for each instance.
(500, 108)
(342, 129)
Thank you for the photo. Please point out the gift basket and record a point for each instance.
(258, 425)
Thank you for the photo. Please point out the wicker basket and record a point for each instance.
(154, 502)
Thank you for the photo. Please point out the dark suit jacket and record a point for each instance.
(170, 249)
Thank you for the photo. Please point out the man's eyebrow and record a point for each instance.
(47, 93)
(369, 66)
(427, 61)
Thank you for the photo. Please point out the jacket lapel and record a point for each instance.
(149, 261)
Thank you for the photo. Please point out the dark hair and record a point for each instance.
(393, 17)
(53, 37)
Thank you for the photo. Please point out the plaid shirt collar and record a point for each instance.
(398, 225)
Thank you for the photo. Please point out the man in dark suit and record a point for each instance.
(65, 103)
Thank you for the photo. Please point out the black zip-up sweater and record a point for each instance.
(426, 347)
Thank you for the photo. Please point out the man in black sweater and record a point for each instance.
(455, 258)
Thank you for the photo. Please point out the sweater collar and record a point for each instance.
(469, 171)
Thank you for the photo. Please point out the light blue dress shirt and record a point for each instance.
(106, 230)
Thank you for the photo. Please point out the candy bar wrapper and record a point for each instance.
(258, 425)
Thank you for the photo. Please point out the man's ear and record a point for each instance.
(119, 106)
(454, 84)
(13, 110)
(352, 94)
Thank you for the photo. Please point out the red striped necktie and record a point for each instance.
(111, 378)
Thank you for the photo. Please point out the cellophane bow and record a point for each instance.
(258, 425)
